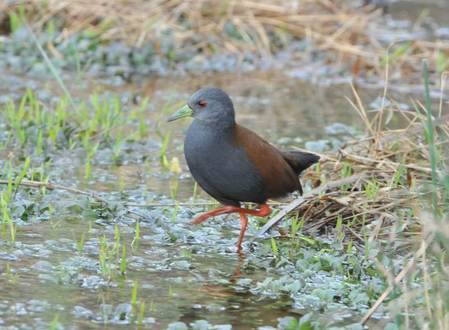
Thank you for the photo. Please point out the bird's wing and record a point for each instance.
(278, 176)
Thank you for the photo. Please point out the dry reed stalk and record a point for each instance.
(332, 27)
(375, 160)
(53, 186)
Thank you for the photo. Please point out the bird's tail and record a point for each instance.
(299, 160)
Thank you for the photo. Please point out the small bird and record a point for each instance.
(232, 163)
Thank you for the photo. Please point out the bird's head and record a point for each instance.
(209, 105)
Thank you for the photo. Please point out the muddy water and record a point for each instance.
(51, 275)
(53, 279)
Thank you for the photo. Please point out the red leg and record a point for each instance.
(221, 210)
(243, 226)
(263, 211)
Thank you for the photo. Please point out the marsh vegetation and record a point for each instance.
(96, 199)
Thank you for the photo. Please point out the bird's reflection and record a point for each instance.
(238, 266)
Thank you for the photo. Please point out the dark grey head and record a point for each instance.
(212, 104)
(209, 105)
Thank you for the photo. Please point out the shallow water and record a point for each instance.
(183, 273)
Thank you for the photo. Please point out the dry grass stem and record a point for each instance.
(354, 34)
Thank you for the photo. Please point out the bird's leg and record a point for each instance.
(263, 211)
(221, 210)
(243, 226)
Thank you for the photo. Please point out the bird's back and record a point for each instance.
(278, 177)
(279, 170)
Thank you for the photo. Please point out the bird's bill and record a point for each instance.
(185, 111)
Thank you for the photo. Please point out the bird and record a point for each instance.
(232, 163)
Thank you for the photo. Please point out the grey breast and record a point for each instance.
(221, 168)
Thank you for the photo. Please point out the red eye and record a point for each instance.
(202, 103)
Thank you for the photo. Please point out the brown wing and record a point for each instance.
(279, 177)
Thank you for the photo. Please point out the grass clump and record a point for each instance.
(432, 266)
(394, 213)
(100, 123)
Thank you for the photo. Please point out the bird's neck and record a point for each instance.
(216, 125)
